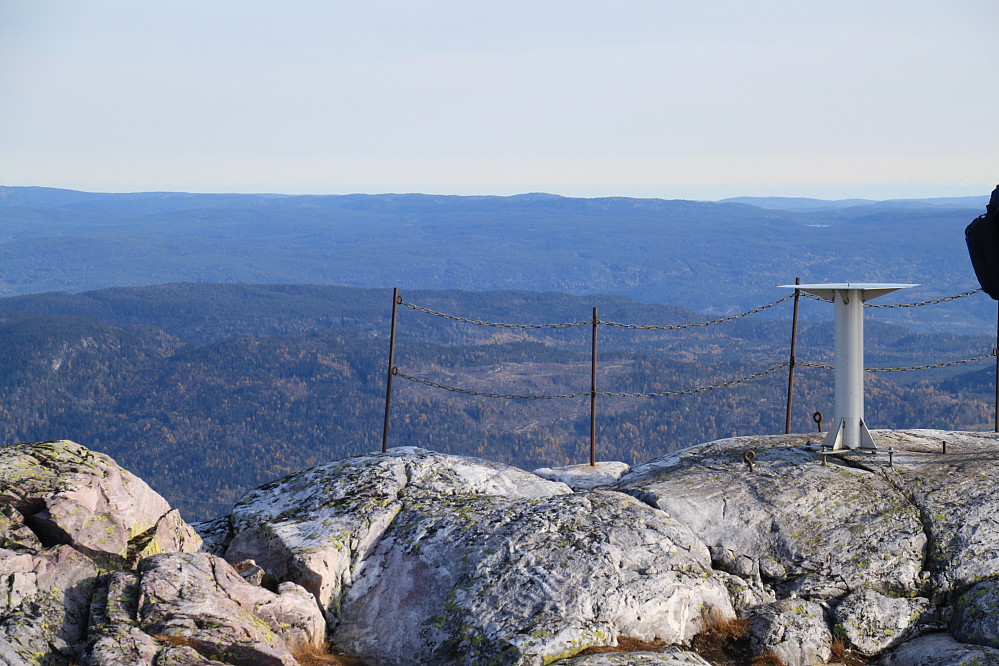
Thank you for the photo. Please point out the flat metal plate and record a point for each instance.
(868, 290)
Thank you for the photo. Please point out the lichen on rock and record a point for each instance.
(71, 495)
(795, 630)
(316, 527)
(874, 623)
(419, 557)
(526, 579)
(798, 525)
(976, 614)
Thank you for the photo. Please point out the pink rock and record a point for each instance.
(201, 598)
(71, 495)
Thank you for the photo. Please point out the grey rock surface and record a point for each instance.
(9, 655)
(955, 495)
(182, 655)
(795, 630)
(315, 527)
(215, 535)
(170, 534)
(800, 526)
(114, 637)
(418, 557)
(874, 623)
(976, 614)
(671, 656)
(14, 533)
(68, 514)
(469, 579)
(940, 650)
(586, 477)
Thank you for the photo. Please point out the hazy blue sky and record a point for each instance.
(675, 99)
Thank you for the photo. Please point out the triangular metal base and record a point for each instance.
(835, 438)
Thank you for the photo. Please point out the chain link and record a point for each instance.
(508, 396)
(811, 364)
(568, 324)
(674, 327)
(479, 322)
(921, 303)
(671, 327)
(934, 301)
(945, 364)
(660, 394)
(700, 389)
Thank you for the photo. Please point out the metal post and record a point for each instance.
(593, 394)
(995, 350)
(850, 430)
(391, 370)
(790, 369)
(848, 372)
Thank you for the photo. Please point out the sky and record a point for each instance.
(646, 98)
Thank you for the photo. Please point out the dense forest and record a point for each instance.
(207, 390)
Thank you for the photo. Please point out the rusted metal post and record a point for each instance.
(391, 370)
(790, 369)
(593, 394)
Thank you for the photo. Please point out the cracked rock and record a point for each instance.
(316, 527)
(44, 601)
(874, 623)
(508, 580)
(793, 523)
(940, 650)
(670, 656)
(976, 615)
(71, 495)
(179, 603)
(795, 630)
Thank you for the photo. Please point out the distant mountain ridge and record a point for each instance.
(51, 197)
(802, 204)
(711, 257)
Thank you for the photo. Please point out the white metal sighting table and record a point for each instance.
(850, 431)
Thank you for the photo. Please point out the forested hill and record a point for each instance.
(206, 390)
(712, 257)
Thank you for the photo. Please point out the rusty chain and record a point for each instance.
(934, 301)
(812, 364)
(945, 364)
(660, 394)
(508, 396)
(670, 327)
(568, 324)
(674, 327)
(479, 322)
(921, 303)
(700, 389)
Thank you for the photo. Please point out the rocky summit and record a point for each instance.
(415, 557)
